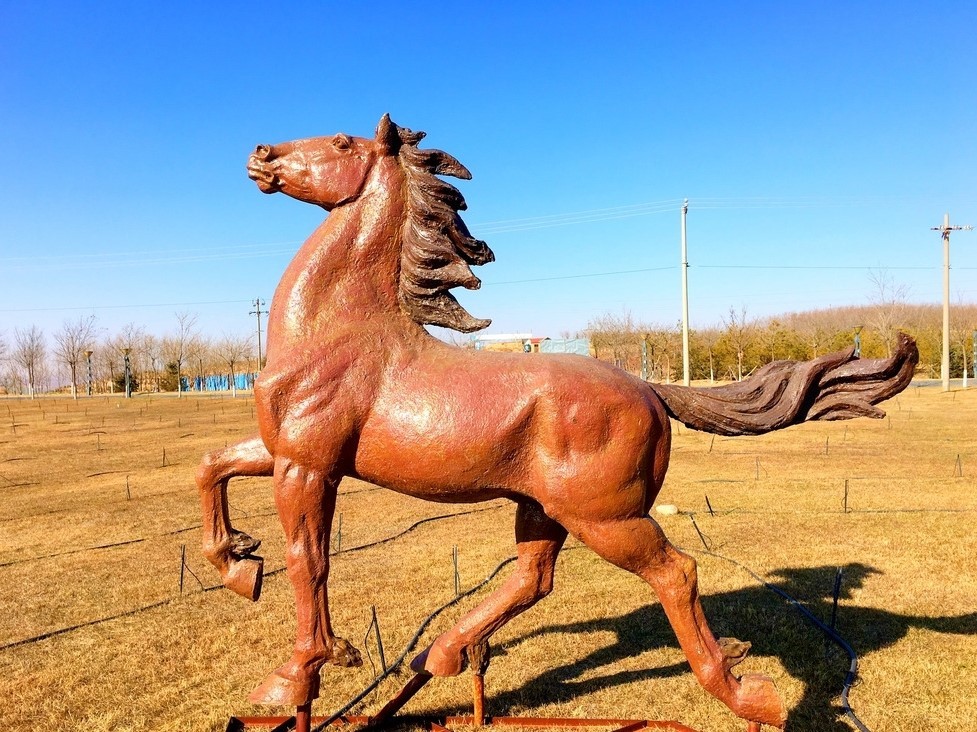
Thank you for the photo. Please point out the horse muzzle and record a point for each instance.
(261, 169)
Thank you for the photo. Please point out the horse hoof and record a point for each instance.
(437, 662)
(279, 691)
(243, 545)
(758, 701)
(244, 577)
(344, 654)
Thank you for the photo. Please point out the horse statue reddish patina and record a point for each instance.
(355, 386)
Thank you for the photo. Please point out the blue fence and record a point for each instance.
(218, 382)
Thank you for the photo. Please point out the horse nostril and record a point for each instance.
(262, 152)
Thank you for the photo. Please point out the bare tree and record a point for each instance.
(70, 344)
(114, 351)
(151, 351)
(28, 354)
(182, 345)
(961, 328)
(889, 306)
(707, 339)
(616, 336)
(232, 351)
(740, 331)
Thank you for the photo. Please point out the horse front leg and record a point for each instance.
(306, 501)
(538, 542)
(228, 549)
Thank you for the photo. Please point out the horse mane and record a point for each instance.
(437, 250)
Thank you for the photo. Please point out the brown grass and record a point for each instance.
(599, 646)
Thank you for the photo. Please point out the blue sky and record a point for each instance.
(813, 142)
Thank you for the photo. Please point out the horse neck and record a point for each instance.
(348, 271)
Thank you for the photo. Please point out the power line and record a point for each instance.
(528, 280)
(579, 276)
(136, 258)
(119, 307)
(806, 266)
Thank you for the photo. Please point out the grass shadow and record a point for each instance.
(753, 613)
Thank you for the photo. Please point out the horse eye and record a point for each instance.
(341, 142)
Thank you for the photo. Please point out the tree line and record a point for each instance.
(79, 353)
(79, 356)
(740, 344)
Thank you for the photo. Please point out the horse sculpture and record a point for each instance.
(355, 386)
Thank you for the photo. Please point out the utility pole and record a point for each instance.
(945, 231)
(258, 312)
(685, 298)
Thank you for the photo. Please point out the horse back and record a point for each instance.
(455, 425)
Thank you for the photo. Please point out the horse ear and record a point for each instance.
(388, 135)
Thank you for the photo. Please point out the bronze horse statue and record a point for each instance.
(355, 386)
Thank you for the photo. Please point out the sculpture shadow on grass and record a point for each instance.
(753, 613)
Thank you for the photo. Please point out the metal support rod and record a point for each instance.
(478, 686)
(394, 705)
(303, 717)
(685, 298)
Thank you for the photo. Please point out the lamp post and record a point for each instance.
(125, 352)
(858, 341)
(644, 357)
(88, 356)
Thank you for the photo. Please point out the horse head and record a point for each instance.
(326, 171)
(436, 248)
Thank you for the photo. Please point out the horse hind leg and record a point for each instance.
(306, 501)
(538, 542)
(229, 550)
(639, 545)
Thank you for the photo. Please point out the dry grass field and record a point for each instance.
(93, 520)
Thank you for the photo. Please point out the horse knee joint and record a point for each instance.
(687, 566)
(544, 586)
(206, 470)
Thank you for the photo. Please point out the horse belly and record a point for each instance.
(442, 452)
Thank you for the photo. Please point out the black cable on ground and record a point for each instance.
(211, 588)
(410, 646)
(814, 620)
(178, 531)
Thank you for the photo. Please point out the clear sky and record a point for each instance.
(814, 142)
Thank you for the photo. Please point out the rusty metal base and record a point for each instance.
(303, 719)
(444, 724)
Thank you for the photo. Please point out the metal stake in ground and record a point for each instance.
(835, 594)
(183, 564)
(454, 559)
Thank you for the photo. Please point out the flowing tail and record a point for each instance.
(782, 393)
